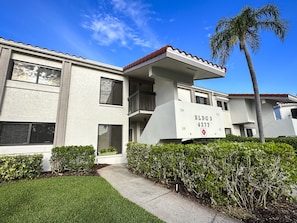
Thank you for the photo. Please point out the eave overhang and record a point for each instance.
(176, 61)
(285, 98)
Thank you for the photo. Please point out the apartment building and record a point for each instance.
(279, 114)
(50, 99)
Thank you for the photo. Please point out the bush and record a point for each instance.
(288, 140)
(13, 167)
(72, 158)
(246, 175)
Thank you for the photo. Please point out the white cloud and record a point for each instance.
(107, 30)
(124, 23)
(207, 27)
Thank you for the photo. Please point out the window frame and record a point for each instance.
(201, 100)
(110, 144)
(223, 105)
(28, 133)
(111, 94)
(38, 72)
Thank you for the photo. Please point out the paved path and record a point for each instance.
(164, 203)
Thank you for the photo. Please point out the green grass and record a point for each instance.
(74, 199)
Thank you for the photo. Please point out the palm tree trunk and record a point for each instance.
(256, 92)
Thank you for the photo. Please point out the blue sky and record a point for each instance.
(118, 32)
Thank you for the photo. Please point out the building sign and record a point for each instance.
(199, 121)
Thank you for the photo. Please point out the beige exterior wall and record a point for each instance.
(29, 102)
(85, 113)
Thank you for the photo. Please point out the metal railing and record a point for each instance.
(142, 100)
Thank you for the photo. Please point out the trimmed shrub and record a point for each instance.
(288, 140)
(246, 175)
(13, 167)
(72, 158)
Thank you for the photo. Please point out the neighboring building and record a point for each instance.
(279, 114)
(52, 99)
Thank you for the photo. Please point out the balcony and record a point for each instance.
(141, 102)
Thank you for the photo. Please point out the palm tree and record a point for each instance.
(243, 30)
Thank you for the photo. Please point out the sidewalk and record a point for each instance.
(164, 203)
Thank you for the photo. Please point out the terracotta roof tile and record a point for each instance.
(163, 50)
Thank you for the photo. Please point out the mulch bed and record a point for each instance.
(69, 173)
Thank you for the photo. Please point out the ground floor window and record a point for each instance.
(109, 139)
(228, 131)
(18, 133)
(249, 132)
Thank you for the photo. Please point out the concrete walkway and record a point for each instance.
(164, 203)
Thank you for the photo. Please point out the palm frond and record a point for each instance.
(222, 44)
(252, 39)
(279, 27)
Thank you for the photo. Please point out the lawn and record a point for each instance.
(72, 199)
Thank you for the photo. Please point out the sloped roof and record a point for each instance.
(36, 50)
(21, 44)
(276, 97)
(174, 62)
(163, 50)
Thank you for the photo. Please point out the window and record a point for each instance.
(35, 74)
(219, 104)
(109, 139)
(111, 91)
(294, 112)
(201, 100)
(228, 131)
(13, 133)
(249, 132)
(223, 105)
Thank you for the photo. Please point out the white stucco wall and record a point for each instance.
(267, 113)
(281, 127)
(184, 94)
(240, 111)
(180, 120)
(27, 102)
(165, 89)
(285, 110)
(85, 113)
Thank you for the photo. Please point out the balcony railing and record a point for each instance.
(142, 100)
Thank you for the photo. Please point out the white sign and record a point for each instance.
(199, 121)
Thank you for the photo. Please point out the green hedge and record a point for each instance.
(13, 167)
(288, 140)
(246, 175)
(79, 159)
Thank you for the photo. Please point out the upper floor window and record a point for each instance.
(223, 105)
(201, 98)
(294, 112)
(111, 91)
(35, 73)
(19, 133)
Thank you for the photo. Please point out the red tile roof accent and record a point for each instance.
(163, 50)
(261, 95)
